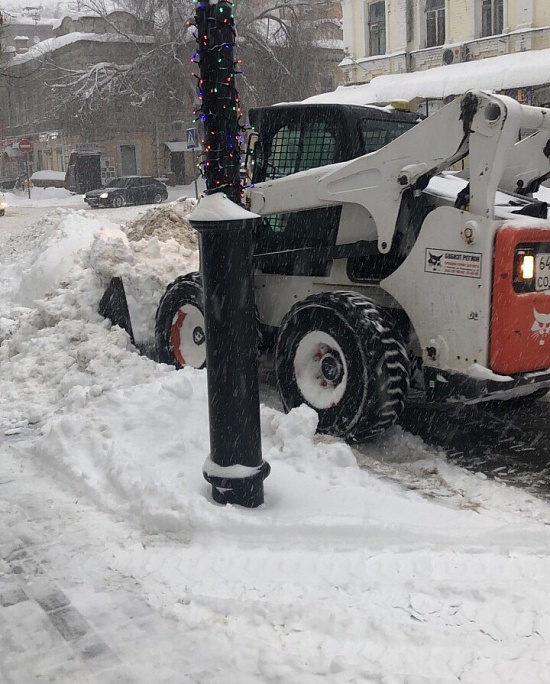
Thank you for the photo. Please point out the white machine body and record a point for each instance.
(445, 281)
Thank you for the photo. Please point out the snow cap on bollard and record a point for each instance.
(218, 207)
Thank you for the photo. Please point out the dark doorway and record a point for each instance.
(177, 165)
(128, 161)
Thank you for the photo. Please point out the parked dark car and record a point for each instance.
(128, 190)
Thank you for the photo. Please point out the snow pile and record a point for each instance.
(49, 261)
(45, 197)
(166, 222)
(50, 330)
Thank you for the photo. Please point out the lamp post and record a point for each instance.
(235, 467)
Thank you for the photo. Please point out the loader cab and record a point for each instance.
(297, 137)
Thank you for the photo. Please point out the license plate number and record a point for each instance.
(542, 272)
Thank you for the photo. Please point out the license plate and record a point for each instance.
(542, 272)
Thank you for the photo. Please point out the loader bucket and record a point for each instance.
(114, 306)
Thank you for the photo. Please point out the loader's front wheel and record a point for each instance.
(337, 352)
(179, 325)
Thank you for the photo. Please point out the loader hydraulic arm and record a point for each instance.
(482, 125)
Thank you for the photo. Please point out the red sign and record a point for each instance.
(25, 146)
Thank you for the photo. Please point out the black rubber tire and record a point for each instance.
(157, 199)
(185, 291)
(362, 391)
(118, 201)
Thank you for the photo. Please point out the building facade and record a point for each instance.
(126, 142)
(401, 36)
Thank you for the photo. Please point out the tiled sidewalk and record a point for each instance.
(65, 615)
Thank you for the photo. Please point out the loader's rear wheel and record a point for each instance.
(179, 326)
(337, 353)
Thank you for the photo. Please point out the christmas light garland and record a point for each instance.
(219, 111)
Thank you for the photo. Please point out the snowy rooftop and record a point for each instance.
(494, 73)
(51, 44)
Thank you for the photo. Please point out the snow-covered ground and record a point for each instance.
(391, 566)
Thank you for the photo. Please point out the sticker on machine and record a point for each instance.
(463, 264)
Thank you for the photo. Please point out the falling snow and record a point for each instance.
(390, 565)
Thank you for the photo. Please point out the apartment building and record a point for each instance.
(126, 141)
(403, 36)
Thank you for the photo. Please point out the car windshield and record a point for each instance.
(118, 183)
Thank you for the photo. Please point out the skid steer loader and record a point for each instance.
(378, 266)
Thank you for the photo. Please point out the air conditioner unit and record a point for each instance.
(454, 55)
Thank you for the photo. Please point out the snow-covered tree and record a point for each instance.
(281, 45)
(277, 46)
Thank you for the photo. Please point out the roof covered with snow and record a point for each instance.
(493, 73)
(52, 44)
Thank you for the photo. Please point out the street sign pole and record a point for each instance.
(28, 177)
(25, 146)
(195, 175)
(192, 136)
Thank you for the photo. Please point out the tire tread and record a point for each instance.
(384, 349)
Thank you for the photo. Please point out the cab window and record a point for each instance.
(318, 147)
(285, 148)
(376, 134)
(298, 147)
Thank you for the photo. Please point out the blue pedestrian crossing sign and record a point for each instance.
(192, 135)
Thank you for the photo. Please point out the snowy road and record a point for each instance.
(16, 218)
(19, 216)
(510, 441)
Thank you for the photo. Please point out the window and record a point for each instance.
(286, 241)
(318, 148)
(377, 134)
(492, 17)
(435, 22)
(325, 81)
(377, 28)
(284, 151)
(300, 147)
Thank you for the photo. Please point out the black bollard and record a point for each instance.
(234, 468)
